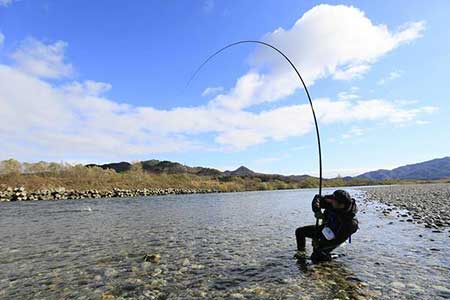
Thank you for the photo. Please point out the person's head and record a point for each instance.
(340, 200)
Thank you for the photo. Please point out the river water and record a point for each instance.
(211, 246)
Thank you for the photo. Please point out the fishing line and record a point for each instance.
(299, 76)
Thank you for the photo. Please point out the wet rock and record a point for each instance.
(197, 267)
(398, 285)
(147, 266)
(111, 272)
(152, 257)
(185, 262)
(156, 272)
(107, 296)
(442, 291)
(236, 296)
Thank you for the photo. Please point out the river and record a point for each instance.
(210, 246)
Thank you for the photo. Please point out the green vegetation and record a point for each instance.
(43, 175)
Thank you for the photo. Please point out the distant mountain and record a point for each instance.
(157, 166)
(118, 167)
(241, 171)
(169, 167)
(428, 170)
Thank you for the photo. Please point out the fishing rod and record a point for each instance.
(303, 84)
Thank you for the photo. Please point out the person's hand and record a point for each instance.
(316, 203)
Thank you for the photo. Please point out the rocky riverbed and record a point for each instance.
(427, 204)
(20, 194)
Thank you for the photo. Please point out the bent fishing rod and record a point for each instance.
(302, 83)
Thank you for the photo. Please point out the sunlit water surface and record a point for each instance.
(212, 246)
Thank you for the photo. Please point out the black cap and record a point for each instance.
(343, 197)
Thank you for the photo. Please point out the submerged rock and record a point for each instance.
(152, 257)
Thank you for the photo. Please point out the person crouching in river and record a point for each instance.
(338, 224)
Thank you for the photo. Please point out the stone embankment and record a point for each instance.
(20, 194)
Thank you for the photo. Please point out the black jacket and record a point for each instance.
(342, 222)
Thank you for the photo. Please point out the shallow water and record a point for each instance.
(212, 246)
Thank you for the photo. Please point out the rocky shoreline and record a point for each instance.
(20, 193)
(427, 204)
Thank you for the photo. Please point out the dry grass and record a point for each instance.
(82, 178)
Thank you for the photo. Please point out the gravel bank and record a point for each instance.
(427, 204)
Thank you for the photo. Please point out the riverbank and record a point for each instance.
(427, 204)
(20, 194)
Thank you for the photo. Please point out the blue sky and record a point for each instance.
(100, 81)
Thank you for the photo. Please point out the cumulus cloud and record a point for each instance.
(42, 60)
(77, 119)
(337, 41)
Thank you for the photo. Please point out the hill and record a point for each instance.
(428, 170)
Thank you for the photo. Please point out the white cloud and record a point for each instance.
(62, 120)
(337, 41)
(352, 93)
(351, 72)
(88, 87)
(76, 119)
(42, 60)
(210, 91)
(2, 39)
(95, 124)
(391, 76)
